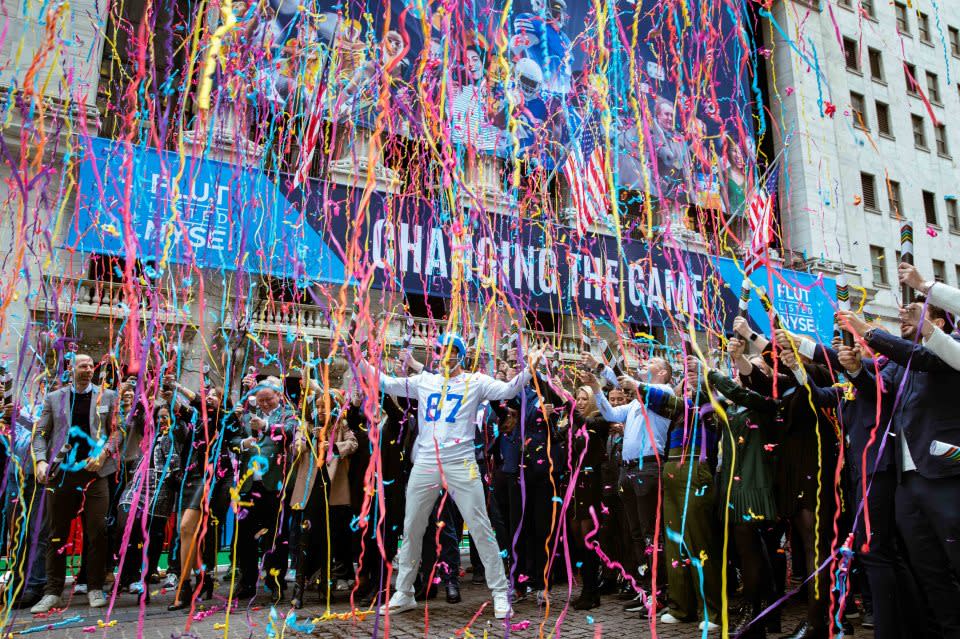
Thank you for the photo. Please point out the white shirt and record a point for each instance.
(447, 413)
(634, 416)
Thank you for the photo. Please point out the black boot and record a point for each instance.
(806, 631)
(742, 625)
(587, 600)
(453, 592)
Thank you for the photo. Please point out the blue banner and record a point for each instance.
(188, 210)
(217, 216)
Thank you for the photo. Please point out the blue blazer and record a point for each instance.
(924, 411)
(859, 416)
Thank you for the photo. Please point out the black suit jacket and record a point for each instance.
(925, 410)
(859, 417)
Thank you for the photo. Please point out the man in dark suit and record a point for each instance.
(870, 457)
(75, 445)
(263, 446)
(929, 489)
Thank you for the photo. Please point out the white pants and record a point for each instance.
(466, 491)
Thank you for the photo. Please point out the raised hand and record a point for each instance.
(852, 322)
(735, 347)
(789, 359)
(910, 275)
(741, 326)
(850, 358)
(785, 339)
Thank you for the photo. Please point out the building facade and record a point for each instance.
(886, 154)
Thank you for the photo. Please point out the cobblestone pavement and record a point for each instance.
(440, 620)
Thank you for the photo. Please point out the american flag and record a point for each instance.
(760, 212)
(586, 173)
(309, 143)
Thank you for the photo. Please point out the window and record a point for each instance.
(903, 25)
(933, 87)
(851, 55)
(923, 27)
(919, 133)
(930, 208)
(868, 8)
(953, 214)
(846, 4)
(954, 35)
(883, 119)
(957, 269)
(859, 111)
(893, 197)
(940, 135)
(910, 76)
(879, 264)
(939, 271)
(876, 64)
(868, 185)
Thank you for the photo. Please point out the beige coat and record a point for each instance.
(338, 465)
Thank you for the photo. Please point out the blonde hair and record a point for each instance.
(591, 407)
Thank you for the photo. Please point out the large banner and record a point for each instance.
(660, 86)
(135, 201)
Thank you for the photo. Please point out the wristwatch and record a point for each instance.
(753, 337)
(869, 334)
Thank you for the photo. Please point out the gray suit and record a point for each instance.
(50, 434)
(70, 493)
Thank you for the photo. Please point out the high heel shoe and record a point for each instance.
(205, 585)
(184, 598)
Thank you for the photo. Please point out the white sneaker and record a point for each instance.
(170, 581)
(670, 619)
(399, 602)
(46, 604)
(341, 585)
(97, 598)
(135, 588)
(709, 624)
(501, 605)
(542, 598)
(79, 589)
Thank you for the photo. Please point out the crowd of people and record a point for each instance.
(695, 490)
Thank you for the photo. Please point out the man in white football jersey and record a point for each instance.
(443, 457)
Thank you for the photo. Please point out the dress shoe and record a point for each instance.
(453, 593)
(422, 593)
(806, 631)
(27, 599)
(741, 624)
(587, 601)
(479, 577)
(245, 593)
(607, 586)
(627, 593)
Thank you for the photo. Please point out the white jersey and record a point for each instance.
(447, 413)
